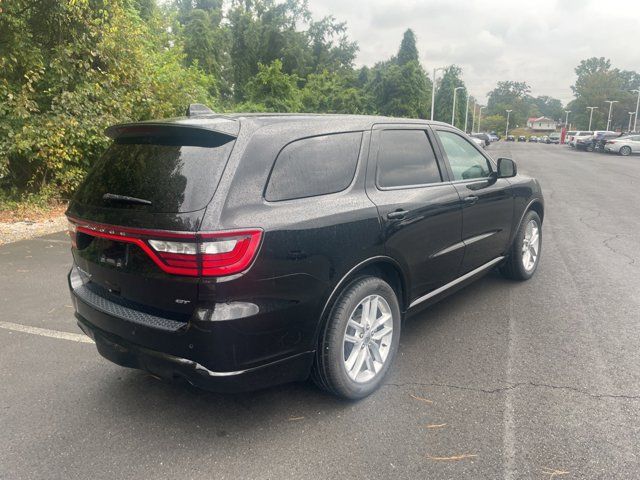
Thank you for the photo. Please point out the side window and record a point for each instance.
(314, 166)
(466, 162)
(406, 158)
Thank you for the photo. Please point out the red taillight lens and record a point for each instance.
(179, 253)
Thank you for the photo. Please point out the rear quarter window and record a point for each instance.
(314, 166)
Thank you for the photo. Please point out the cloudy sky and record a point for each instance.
(539, 42)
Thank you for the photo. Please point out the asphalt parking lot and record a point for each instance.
(501, 380)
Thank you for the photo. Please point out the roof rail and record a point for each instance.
(196, 109)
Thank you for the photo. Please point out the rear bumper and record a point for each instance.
(170, 367)
(237, 354)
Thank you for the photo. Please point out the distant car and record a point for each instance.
(625, 145)
(479, 142)
(580, 135)
(522, 138)
(544, 139)
(589, 143)
(533, 139)
(511, 138)
(600, 139)
(494, 137)
(483, 136)
(554, 138)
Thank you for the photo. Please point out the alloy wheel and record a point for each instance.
(531, 245)
(367, 338)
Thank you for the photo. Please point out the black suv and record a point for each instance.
(243, 251)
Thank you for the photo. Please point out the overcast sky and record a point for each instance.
(539, 42)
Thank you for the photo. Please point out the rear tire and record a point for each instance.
(625, 151)
(352, 357)
(521, 261)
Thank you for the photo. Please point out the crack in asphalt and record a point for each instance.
(516, 386)
(605, 242)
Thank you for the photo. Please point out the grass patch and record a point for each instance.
(32, 208)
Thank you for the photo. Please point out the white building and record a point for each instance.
(541, 124)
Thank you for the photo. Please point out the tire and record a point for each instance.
(330, 371)
(514, 266)
(590, 148)
(625, 151)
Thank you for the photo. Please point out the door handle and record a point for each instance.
(470, 200)
(397, 215)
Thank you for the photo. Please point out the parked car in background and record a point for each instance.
(494, 137)
(589, 142)
(625, 145)
(544, 139)
(600, 139)
(484, 136)
(580, 135)
(479, 142)
(216, 261)
(554, 138)
(533, 139)
(522, 138)
(511, 138)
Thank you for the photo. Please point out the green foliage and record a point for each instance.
(274, 89)
(451, 79)
(408, 51)
(597, 82)
(70, 69)
(330, 92)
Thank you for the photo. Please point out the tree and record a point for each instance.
(273, 89)
(408, 51)
(444, 96)
(596, 83)
(514, 96)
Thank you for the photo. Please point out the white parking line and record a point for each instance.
(45, 332)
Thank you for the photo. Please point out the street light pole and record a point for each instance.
(610, 102)
(466, 114)
(433, 90)
(630, 117)
(566, 119)
(590, 115)
(635, 122)
(479, 117)
(453, 111)
(506, 132)
(473, 117)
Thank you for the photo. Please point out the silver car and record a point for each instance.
(624, 145)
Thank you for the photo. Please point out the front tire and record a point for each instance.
(524, 256)
(625, 151)
(360, 339)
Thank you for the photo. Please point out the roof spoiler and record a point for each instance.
(197, 109)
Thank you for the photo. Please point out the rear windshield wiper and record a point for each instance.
(112, 197)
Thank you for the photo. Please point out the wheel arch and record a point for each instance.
(381, 266)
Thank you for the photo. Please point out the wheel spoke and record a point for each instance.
(366, 309)
(369, 361)
(351, 339)
(355, 325)
(357, 367)
(375, 352)
(381, 321)
(373, 311)
(353, 356)
(380, 334)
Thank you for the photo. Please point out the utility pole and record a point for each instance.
(466, 114)
(630, 117)
(479, 117)
(590, 115)
(566, 119)
(635, 122)
(506, 132)
(453, 111)
(610, 102)
(433, 90)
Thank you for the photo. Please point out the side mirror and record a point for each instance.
(506, 168)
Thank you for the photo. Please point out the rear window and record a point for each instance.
(314, 166)
(175, 173)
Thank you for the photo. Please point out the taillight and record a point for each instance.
(180, 253)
